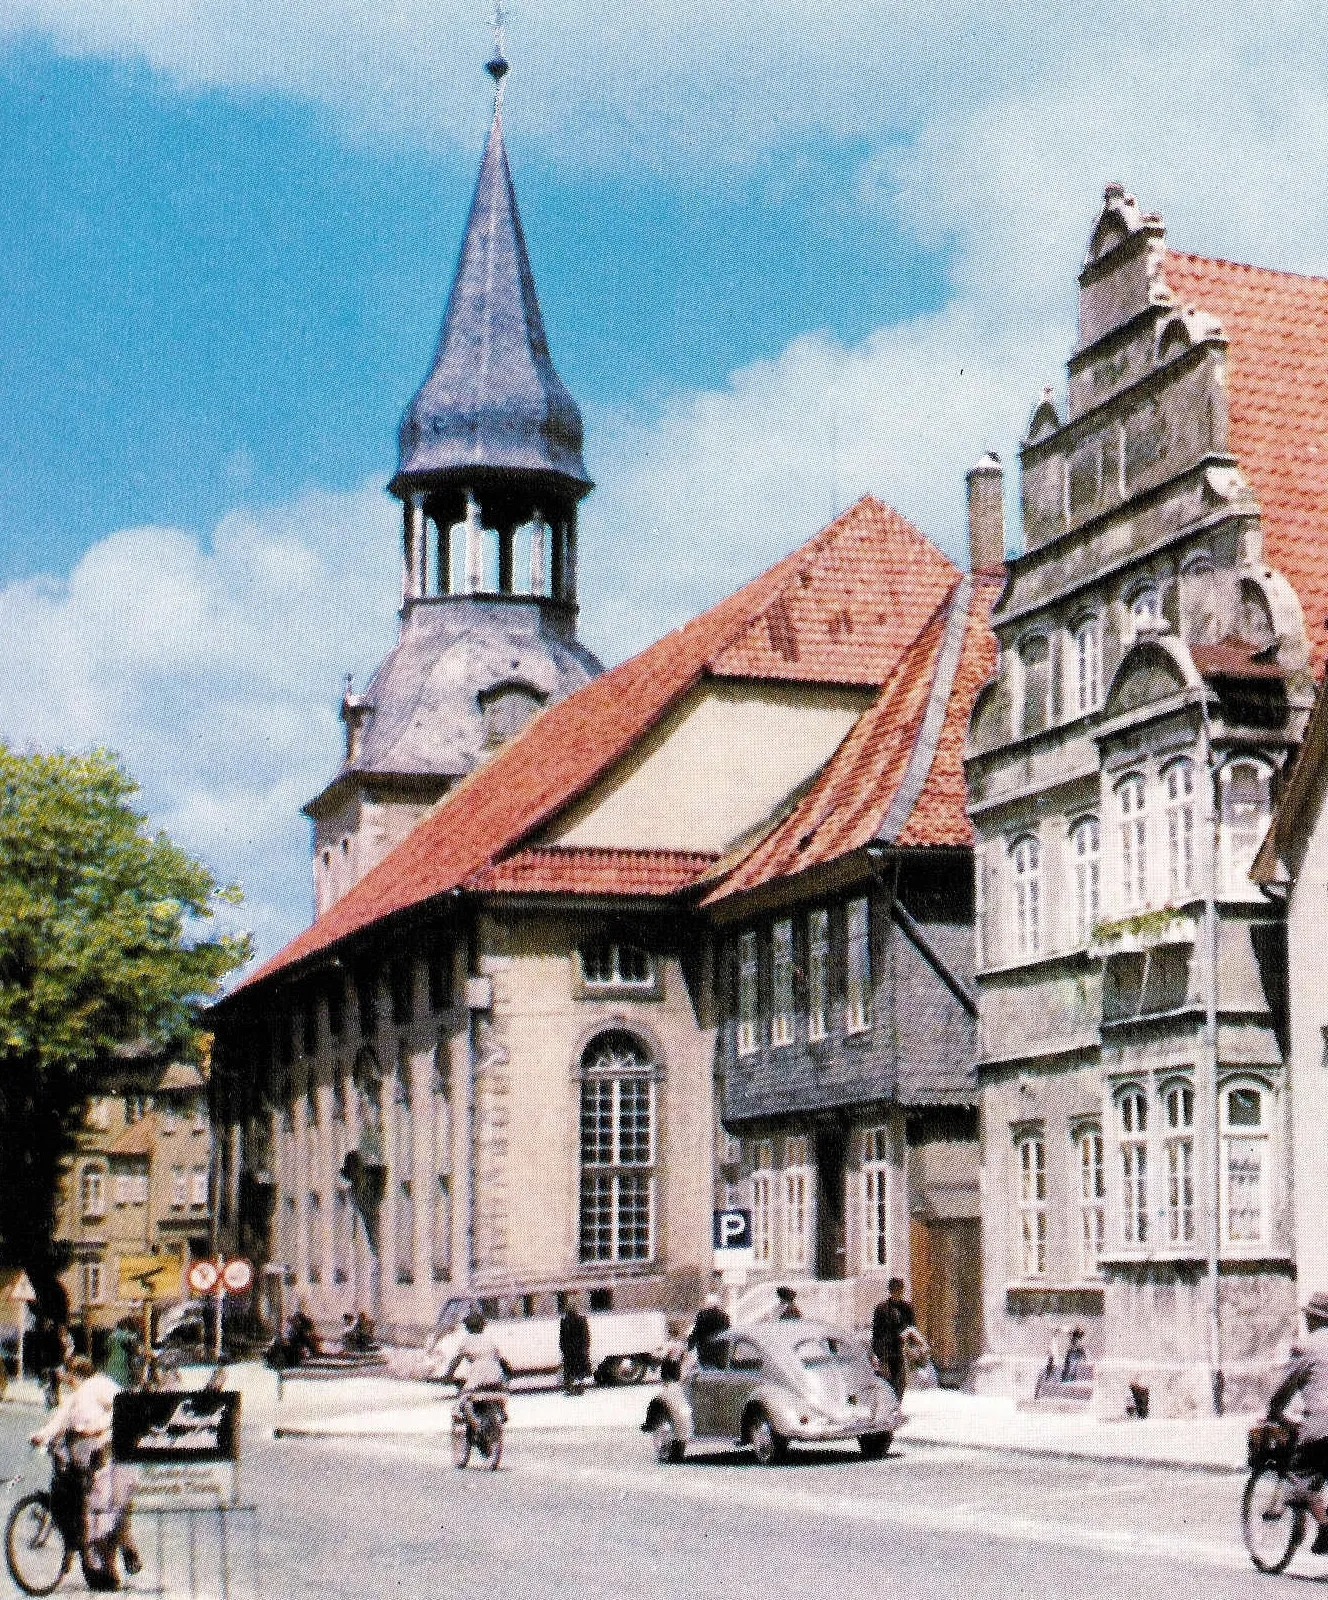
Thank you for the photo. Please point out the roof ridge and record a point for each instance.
(1247, 266)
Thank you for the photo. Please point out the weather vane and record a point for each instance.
(496, 66)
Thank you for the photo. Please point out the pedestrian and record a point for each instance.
(788, 1304)
(889, 1320)
(1076, 1358)
(574, 1345)
(711, 1319)
(124, 1354)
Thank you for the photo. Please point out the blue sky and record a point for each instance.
(787, 253)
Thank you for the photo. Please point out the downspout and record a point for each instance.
(466, 1166)
(1210, 1065)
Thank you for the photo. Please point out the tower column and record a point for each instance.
(416, 551)
(539, 532)
(444, 558)
(569, 575)
(474, 546)
(557, 575)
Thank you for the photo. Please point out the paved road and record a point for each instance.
(591, 1516)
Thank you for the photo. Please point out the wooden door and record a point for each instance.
(946, 1262)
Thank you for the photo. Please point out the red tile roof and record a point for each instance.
(842, 608)
(876, 765)
(1233, 658)
(1277, 327)
(543, 870)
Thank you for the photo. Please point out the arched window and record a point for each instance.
(1145, 606)
(1085, 850)
(1026, 864)
(1132, 806)
(1245, 1164)
(1085, 665)
(617, 1150)
(1035, 660)
(1092, 1200)
(1178, 1105)
(1178, 784)
(1132, 1127)
(1245, 790)
(1032, 1153)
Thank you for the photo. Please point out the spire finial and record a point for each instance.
(496, 66)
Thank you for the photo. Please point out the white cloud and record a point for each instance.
(214, 669)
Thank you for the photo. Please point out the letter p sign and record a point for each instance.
(733, 1230)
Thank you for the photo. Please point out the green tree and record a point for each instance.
(103, 943)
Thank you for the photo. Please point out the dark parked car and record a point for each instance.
(770, 1383)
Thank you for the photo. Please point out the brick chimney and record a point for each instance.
(986, 513)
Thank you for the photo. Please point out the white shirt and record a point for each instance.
(87, 1411)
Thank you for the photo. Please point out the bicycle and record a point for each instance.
(1273, 1515)
(38, 1548)
(477, 1423)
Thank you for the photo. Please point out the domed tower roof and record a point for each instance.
(493, 402)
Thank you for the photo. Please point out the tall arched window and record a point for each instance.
(1026, 866)
(1245, 790)
(1085, 666)
(1132, 806)
(1033, 1206)
(617, 1150)
(1178, 1103)
(1178, 782)
(1132, 1123)
(1085, 850)
(1092, 1200)
(1245, 1164)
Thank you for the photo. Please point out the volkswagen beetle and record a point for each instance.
(772, 1383)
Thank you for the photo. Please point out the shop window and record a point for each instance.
(876, 1197)
(797, 1203)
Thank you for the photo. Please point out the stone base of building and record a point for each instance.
(1133, 1388)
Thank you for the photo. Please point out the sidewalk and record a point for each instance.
(387, 1407)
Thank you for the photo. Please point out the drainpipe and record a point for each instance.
(465, 1198)
(1210, 1064)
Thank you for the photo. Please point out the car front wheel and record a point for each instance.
(874, 1445)
(668, 1446)
(768, 1446)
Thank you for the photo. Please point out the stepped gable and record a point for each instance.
(849, 602)
(898, 777)
(1276, 325)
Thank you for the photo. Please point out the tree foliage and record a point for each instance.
(103, 944)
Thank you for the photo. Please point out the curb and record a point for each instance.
(1052, 1452)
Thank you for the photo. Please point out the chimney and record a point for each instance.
(986, 513)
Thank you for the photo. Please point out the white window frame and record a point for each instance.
(619, 968)
(1090, 1156)
(782, 998)
(1026, 890)
(198, 1189)
(877, 1184)
(179, 1192)
(749, 994)
(1251, 1145)
(1086, 854)
(799, 1189)
(858, 966)
(1132, 1146)
(1132, 810)
(818, 973)
(1031, 1171)
(1178, 1163)
(763, 1203)
(1237, 860)
(1178, 792)
(92, 1192)
(1086, 665)
(618, 1182)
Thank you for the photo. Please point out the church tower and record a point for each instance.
(489, 477)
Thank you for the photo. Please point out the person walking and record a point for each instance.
(574, 1345)
(889, 1320)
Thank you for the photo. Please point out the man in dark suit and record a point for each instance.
(889, 1320)
(574, 1345)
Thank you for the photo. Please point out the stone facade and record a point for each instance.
(1154, 674)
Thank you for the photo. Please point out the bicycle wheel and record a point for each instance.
(491, 1442)
(460, 1441)
(35, 1549)
(1273, 1530)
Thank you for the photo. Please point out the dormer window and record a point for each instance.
(614, 964)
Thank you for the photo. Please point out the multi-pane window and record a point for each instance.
(617, 1152)
(1178, 1105)
(797, 1203)
(818, 974)
(1085, 851)
(876, 1197)
(94, 1283)
(781, 982)
(1086, 666)
(1132, 1117)
(1245, 809)
(198, 1188)
(858, 984)
(94, 1192)
(763, 1203)
(1244, 1166)
(749, 995)
(1179, 783)
(1026, 865)
(1033, 1206)
(1092, 1201)
(313, 1223)
(611, 964)
(1132, 804)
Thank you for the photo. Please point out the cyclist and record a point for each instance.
(1306, 1375)
(90, 1499)
(486, 1372)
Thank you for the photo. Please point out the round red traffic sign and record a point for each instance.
(203, 1276)
(237, 1275)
